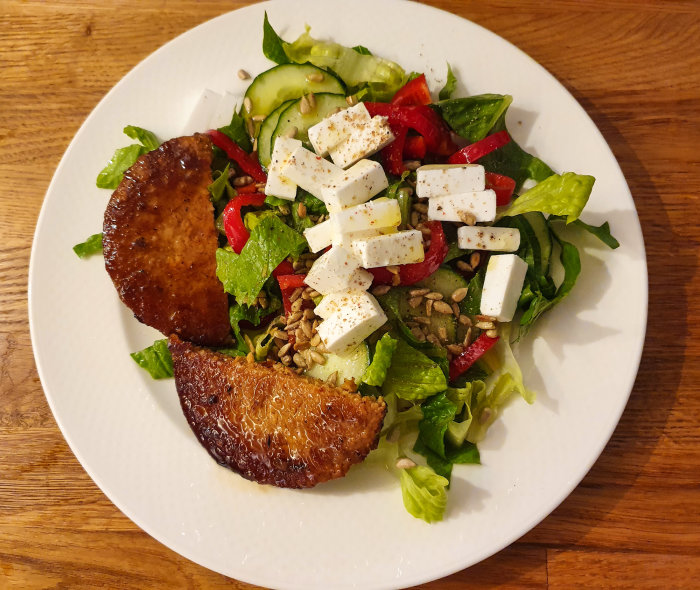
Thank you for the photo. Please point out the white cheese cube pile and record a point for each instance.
(337, 270)
(455, 189)
(496, 239)
(350, 135)
(319, 236)
(277, 184)
(350, 318)
(355, 186)
(503, 283)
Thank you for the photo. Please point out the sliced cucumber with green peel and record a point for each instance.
(444, 281)
(284, 82)
(293, 117)
(265, 134)
(350, 365)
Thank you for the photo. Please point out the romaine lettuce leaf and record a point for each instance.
(93, 245)
(450, 85)
(243, 275)
(155, 359)
(236, 131)
(424, 493)
(412, 375)
(471, 304)
(376, 371)
(559, 194)
(356, 69)
(218, 188)
(111, 175)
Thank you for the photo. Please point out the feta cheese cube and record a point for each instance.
(354, 321)
(327, 134)
(333, 271)
(497, 239)
(334, 302)
(435, 180)
(503, 283)
(480, 204)
(310, 172)
(277, 184)
(403, 247)
(363, 142)
(348, 239)
(224, 110)
(357, 185)
(320, 236)
(360, 280)
(377, 214)
(201, 116)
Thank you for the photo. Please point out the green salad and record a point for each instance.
(384, 238)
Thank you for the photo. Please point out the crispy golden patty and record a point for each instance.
(268, 423)
(160, 242)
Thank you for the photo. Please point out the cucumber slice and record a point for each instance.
(292, 117)
(284, 82)
(350, 365)
(445, 281)
(437, 320)
(265, 134)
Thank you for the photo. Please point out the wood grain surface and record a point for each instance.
(634, 521)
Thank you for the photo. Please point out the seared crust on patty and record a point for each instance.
(268, 423)
(160, 243)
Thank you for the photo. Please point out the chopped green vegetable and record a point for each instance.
(424, 493)
(236, 131)
(270, 242)
(93, 245)
(362, 50)
(146, 138)
(412, 375)
(471, 304)
(155, 359)
(602, 232)
(560, 194)
(273, 45)
(356, 69)
(376, 372)
(450, 85)
(218, 187)
(474, 117)
(111, 175)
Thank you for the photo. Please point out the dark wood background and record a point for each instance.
(634, 522)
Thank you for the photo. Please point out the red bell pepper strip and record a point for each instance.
(247, 163)
(422, 119)
(247, 189)
(288, 283)
(476, 350)
(234, 227)
(479, 149)
(414, 147)
(415, 92)
(283, 268)
(392, 155)
(412, 273)
(503, 186)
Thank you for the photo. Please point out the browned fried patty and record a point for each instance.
(160, 243)
(270, 424)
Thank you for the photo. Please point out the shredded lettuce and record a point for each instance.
(424, 493)
(111, 175)
(220, 186)
(412, 375)
(450, 85)
(155, 359)
(271, 241)
(376, 371)
(505, 381)
(560, 194)
(356, 68)
(93, 245)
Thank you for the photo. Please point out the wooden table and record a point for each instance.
(634, 522)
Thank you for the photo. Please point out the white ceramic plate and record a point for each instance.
(129, 433)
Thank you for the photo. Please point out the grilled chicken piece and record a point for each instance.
(268, 423)
(160, 242)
